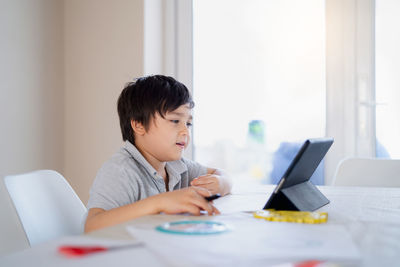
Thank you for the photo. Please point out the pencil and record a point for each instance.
(211, 198)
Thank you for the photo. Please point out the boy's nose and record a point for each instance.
(185, 130)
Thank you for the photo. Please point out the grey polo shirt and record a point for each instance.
(127, 177)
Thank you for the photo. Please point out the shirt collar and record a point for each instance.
(174, 168)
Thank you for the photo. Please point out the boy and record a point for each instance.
(148, 175)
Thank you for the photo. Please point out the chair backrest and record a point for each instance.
(368, 172)
(46, 204)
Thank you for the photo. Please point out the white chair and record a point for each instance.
(368, 172)
(46, 204)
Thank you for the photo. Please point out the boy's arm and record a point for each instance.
(189, 199)
(216, 181)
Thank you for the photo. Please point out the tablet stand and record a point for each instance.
(295, 191)
(303, 197)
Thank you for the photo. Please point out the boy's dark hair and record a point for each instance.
(141, 99)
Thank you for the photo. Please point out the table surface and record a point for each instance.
(369, 216)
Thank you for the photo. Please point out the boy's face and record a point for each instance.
(167, 138)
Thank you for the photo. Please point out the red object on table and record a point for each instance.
(79, 251)
(311, 263)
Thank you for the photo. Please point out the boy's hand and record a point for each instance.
(189, 199)
(211, 182)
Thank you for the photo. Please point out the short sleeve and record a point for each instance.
(111, 188)
(195, 169)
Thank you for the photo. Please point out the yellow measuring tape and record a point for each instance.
(292, 216)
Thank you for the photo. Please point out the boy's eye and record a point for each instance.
(188, 124)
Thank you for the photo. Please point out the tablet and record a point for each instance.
(294, 190)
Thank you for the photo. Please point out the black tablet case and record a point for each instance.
(295, 191)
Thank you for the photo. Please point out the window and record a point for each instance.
(258, 82)
(268, 74)
(387, 57)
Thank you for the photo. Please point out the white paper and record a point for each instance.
(238, 203)
(251, 242)
(47, 255)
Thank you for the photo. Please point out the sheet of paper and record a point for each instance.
(47, 255)
(251, 242)
(237, 203)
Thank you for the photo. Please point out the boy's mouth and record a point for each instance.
(181, 144)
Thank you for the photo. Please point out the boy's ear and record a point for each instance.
(137, 127)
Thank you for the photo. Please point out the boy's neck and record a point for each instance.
(159, 166)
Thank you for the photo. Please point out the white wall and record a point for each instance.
(103, 51)
(31, 104)
(63, 64)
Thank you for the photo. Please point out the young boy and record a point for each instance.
(148, 175)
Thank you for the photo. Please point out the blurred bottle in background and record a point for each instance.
(257, 153)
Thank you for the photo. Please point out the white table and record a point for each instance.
(369, 216)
